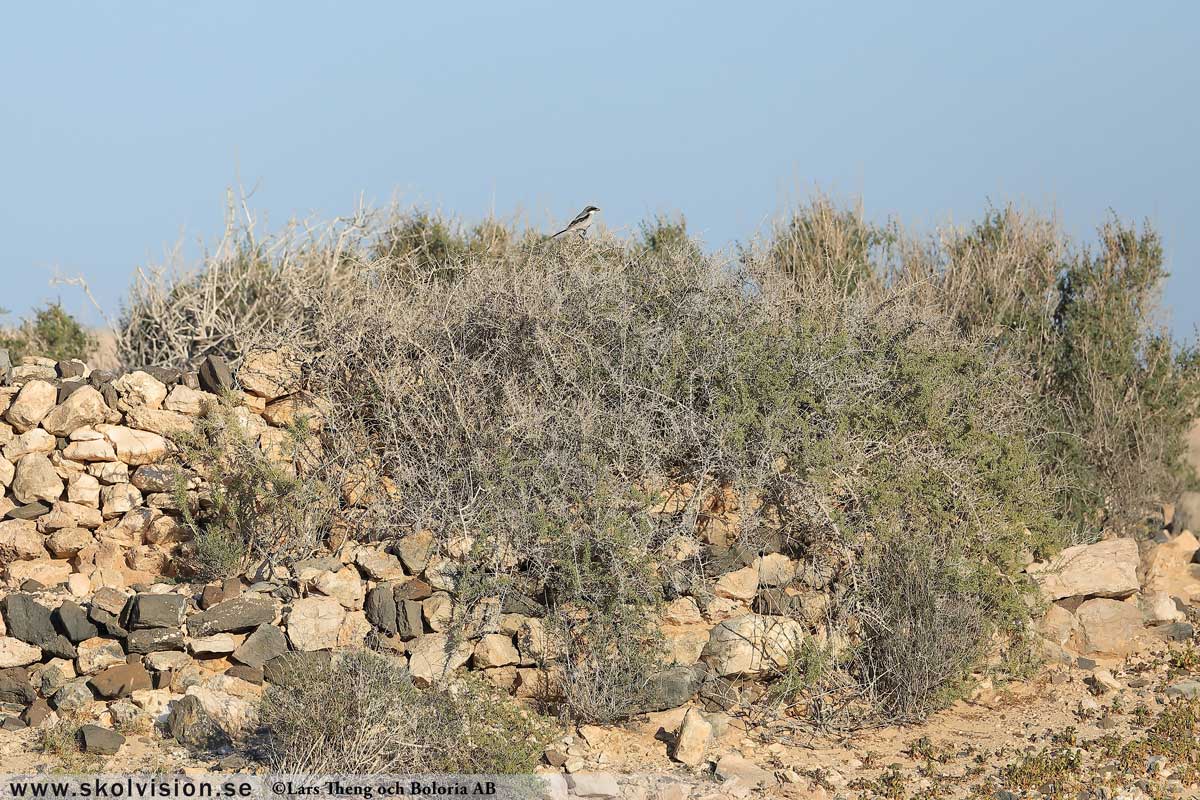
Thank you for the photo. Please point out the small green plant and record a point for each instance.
(50, 333)
(259, 503)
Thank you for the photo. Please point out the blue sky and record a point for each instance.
(122, 123)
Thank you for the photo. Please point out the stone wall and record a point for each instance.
(100, 620)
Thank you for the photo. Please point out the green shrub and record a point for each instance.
(259, 502)
(362, 714)
(51, 333)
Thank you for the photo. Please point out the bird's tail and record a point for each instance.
(560, 233)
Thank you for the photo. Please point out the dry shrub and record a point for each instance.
(361, 714)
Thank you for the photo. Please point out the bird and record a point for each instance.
(580, 224)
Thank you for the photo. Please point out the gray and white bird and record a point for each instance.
(580, 224)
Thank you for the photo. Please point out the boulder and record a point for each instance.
(270, 374)
(31, 622)
(740, 584)
(139, 389)
(16, 653)
(85, 406)
(434, 655)
(732, 765)
(264, 644)
(215, 376)
(164, 423)
(134, 447)
(313, 623)
(73, 696)
(1108, 627)
(235, 715)
(381, 607)
(155, 611)
(1104, 569)
(120, 681)
(20, 540)
(67, 542)
(191, 725)
(35, 479)
(494, 650)
(673, 687)
(98, 653)
(15, 687)
(152, 640)
(1169, 568)
(44, 571)
(414, 550)
(345, 585)
(691, 739)
(751, 644)
(72, 620)
(379, 565)
(100, 741)
(31, 405)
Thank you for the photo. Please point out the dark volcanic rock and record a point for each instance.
(14, 686)
(29, 511)
(101, 741)
(215, 376)
(31, 622)
(239, 614)
(155, 611)
(72, 620)
(151, 640)
(120, 681)
(673, 687)
(380, 608)
(267, 642)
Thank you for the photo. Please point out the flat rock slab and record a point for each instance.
(120, 681)
(1104, 569)
(100, 741)
(241, 613)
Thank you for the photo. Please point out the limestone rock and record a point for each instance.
(20, 540)
(15, 653)
(270, 374)
(751, 644)
(313, 623)
(35, 479)
(692, 738)
(1168, 568)
(139, 389)
(432, 656)
(1108, 627)
(345, 586)
(740, 584)
(98, 653)
(134, 447)
(495, 650)
(84, 407)
(379, 565)
(1104, 569)
(31, 404)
